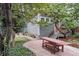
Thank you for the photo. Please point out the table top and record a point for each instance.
(55, 40)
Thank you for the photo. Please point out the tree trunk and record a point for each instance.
(72, 31)
(1, 36)
(8, 25)
(1, 44)
(12, 41)
(64, 34)
(51, 33)
(58, 28)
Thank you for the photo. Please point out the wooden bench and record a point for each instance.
(51, 47)
(53, 44)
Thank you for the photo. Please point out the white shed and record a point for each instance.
(33, 28)
(37, 30)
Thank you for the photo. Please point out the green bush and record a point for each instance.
(19, 50)
(76, 35)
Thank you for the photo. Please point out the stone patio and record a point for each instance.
(36, 47)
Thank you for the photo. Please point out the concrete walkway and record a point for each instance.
(36, 47)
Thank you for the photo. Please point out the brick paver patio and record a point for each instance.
(36, 47)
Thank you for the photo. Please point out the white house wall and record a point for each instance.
(45, 31)
(33, 29)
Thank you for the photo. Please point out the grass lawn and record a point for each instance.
(19, 50)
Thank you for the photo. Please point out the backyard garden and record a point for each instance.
(14, 18)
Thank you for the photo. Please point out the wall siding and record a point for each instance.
(33, 29)
(44, 31)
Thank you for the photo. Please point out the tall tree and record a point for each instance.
(6, 7)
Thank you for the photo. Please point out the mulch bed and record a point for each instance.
(74, 44)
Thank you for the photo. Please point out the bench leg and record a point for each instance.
(62, 48)
(54, 49)
(43, 43)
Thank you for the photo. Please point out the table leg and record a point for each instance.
(43, 43)
(54, 49)
(62, 48)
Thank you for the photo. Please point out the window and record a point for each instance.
(47, 19)
(42, 19)
(51, 20)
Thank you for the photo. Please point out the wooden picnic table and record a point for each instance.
(53, 42)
